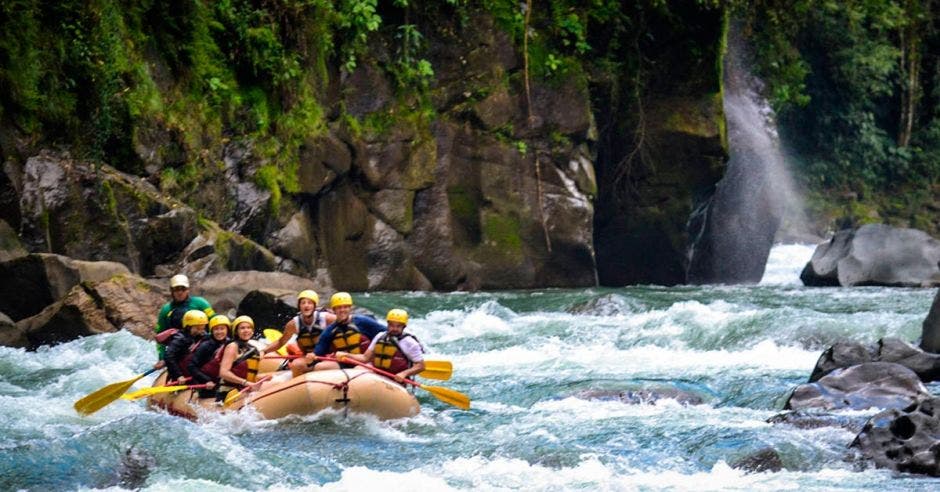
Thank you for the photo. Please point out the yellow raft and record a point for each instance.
(354, 390)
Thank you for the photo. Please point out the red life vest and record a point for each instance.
(211, 368)
(246, 369)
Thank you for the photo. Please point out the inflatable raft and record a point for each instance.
(352, 390)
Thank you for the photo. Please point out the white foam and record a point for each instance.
(785, 263)
(550, 358)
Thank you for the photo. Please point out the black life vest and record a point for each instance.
(348, 338)
(309, 335)
(387, 355)
(184, 363)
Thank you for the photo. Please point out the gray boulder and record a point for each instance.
(930, 334)
(873, 384)
(226, 290)
(764, 460)
(844, 354)
(875, 254)
(905, 440)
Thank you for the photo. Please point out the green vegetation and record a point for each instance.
(857, 88)
(856, 83)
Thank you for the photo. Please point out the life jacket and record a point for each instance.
(184, 363)
(245, 368)
(165, 335)
(212, 367)
(348, 338)
(309, 335)
(387, 355)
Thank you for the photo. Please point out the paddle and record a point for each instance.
(272, 335)
(235, 394)
(446, 395)
(440, 370)
(136, 395)
(98, 399)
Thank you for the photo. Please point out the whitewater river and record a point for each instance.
(526, 358)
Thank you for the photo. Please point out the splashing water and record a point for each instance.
(543, 368)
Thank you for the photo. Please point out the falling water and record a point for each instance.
(756, 201)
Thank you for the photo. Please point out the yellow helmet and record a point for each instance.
(242, 319)
(341, 299)
(398, 316)
(194, 317)
(308, 294)
(219, 319)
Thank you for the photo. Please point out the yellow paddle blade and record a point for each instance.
(272, 335)
(100, 398)
(231, 397)
(448, 395)
(136, 395)
(437, 369)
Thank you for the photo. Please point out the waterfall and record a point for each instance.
(735, 228)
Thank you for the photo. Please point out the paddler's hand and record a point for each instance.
(341, 355)
(210, 385)
(399, 378)
(160, 364)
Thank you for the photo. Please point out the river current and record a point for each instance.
(530, 361)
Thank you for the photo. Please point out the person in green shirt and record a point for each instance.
(171, 314)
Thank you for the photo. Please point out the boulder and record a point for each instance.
(297, 241)
(89, 211)
(10, 334)
(10, 245)
(35, 281)
(873, 384)
(76, 315)
(322, 160)
(130, 302)
(875, 254)
(930, 333)
(844, 354)
(216, 250)
(269, 309)
(763, 460)
(226, 290)
(840, 355)
(815, 419)
(904, 440)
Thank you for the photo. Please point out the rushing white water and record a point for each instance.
(785, 263)
(545, 371)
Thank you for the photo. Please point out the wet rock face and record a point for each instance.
(33, 282)
(123, 301)
(873, 384)
(875, 254)
(905, 440)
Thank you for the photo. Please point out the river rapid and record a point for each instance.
(528, 360)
